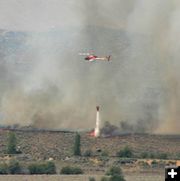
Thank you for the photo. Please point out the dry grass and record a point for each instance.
(132, 177)
(43, 145)
(58, 145)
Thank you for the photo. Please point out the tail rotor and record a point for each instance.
(109, 57)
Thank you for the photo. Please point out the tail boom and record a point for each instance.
(108, 57)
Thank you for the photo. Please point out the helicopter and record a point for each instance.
(91, 57)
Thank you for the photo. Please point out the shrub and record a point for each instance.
(162, 164)
(105, 154)
(144, 164)
(103, 158)
(126, 160)
(88, 153)
(154, 164)
(14, 167)
(152, 155)
(68, 170)
(42, 168)
(77, 145)
(125, 152)
(105, 179)
(50, 168)
(144, 155)
(92, 179)
(178, 155)
(3, 168)
(114, 170)
(162, 156)
(35, 168)
(11, 143)
(113, 178)
(116, 178)
(170, 163)
(115, 174)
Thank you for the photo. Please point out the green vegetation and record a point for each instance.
(105, 178)
(42, 168)
(92, 179)
(11, 144)
(77, 145)
(154, 164)
(116, 178)
(14, 167)
(171, 163)
(162, 164)
(178, 155)
(125, 161)
(68, 170)
(87, 153)
(3, 168)
(154, 155)
(151, 155)
(126, 152)
(144, 164)
(144, 155)
(163, 156)
(114, 171)
(115, 174)
(104, 153)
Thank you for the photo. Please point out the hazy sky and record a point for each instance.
(43, 15)
(140, 86)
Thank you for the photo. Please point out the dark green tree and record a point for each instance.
(14, 167)
(3, 168)
(77, 145)
(92, 179)
(69, 170)
(126, 152)
(116, 178)
(114, 170)
(11, 144)
(115, 174)
(42, 168)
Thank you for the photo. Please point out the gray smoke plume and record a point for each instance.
(45, 83)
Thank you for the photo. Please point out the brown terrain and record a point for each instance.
(57, 146)
(132, 177)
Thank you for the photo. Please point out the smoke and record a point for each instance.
(46, 84)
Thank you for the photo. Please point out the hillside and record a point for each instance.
(58, 145)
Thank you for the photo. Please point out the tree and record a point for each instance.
(114, 170)
(116, 178)
(115, 174)
(92, 179)
(42, 168)
(77, 145)
(126, 152)
(50, 168)
(105, 178)
(69, 170)
(14, 167)
(87, 153)
(11, 145)
(3, 168)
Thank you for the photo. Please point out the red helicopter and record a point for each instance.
(91, 57)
